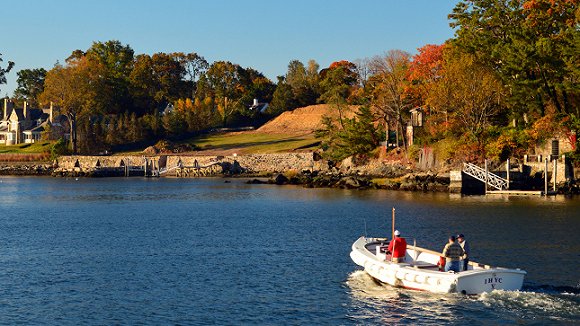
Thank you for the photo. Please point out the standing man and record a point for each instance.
(452, 253)
(466, 250)
(398, 248)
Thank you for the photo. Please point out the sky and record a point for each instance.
(265, 35)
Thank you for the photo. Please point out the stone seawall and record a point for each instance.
(256, 163)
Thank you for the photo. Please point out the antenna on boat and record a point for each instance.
(393, 225)
(365, 220)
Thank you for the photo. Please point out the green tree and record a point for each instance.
(174, 123)
(30, 84)
(359, 136)
(532, 45)
(117, 62)
(156, 81)
(283, 98)
(336, 84)
(4, 71)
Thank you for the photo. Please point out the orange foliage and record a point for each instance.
(425, 68)
(544, 11)
(342, 63)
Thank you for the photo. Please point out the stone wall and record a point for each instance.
(255, 163)
(537, 164)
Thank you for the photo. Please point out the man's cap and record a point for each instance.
(397, 232)
(460, 235)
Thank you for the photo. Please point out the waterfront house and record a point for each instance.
(22, 125)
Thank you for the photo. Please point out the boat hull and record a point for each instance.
(415, 276)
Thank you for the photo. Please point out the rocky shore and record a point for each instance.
(26, 169)
(424, 181)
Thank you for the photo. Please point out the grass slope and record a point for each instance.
(251, 142)
(40, 147)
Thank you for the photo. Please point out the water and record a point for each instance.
(201, 251)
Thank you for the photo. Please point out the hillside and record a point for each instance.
(302, 120)
(291, 131)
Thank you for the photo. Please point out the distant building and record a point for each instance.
(258, 107)
(416, 117)
(169, 108)
(23, 125)
(416, 121)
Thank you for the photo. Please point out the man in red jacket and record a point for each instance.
(398, 248)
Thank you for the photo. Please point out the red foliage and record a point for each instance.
(427, 64)
(342, 63)
(425, 68)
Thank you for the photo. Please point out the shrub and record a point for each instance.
(59, 148)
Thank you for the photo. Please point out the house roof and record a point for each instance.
(260, 107)
(16, 115)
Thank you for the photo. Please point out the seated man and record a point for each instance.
(398, 248)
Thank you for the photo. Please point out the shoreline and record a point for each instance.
(412, 181)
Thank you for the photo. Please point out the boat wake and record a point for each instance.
(557, 307)
(543, 304)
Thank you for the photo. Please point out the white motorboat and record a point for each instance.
(419, 270)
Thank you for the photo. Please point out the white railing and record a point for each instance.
(492, 179)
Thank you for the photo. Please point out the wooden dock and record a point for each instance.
(520, 192)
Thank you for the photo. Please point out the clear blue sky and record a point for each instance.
(262, 34)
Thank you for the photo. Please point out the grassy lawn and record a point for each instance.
(251, 143)
(37, 152)
(40, 147)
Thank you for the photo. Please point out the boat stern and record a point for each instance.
(486, 281)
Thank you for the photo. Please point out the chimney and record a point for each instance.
(5, 109)
(25, 110)
(50, 113)
(255, 102)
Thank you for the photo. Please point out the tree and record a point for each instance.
(304, 84)
(194, 66)
(30, 84)
(4, 71)
(283, 98)
(156, 81)
(470, 93)
(425, 69)
(358, 137)
(117, 62)
(337, 83)
(73, 88)
(224, 83)
(532, 45)
(387, 88)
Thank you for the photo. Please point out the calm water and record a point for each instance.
(170, 251)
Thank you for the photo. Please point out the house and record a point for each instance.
(416, 117)
(416, 121)
(22, 126)
(258, 107)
